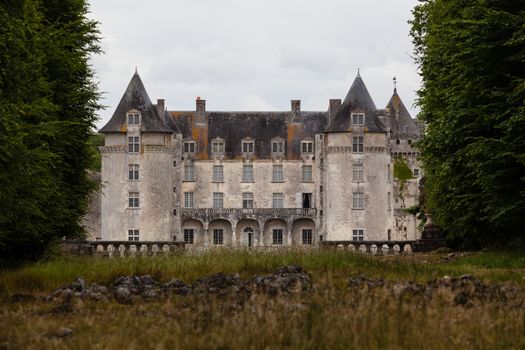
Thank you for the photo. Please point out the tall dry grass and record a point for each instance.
(331, 316)
(189, 266)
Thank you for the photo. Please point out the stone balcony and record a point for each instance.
(259, 214)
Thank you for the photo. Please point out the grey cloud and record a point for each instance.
(254, 54)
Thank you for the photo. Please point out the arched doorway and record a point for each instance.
(244, 227)
(249, 235)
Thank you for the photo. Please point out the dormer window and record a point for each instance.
(248, 146)
(358, 118)
(189, 146)
(307, 147)
(133, 118)
(217, 146)
(277, 146)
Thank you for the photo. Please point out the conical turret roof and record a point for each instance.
(402, 126)
(358, 99)
(136, 98)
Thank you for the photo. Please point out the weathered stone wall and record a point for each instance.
(262, 187)
(340, 218)
(153, 217)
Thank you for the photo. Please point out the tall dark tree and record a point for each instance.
(471, 56)
(47, 111)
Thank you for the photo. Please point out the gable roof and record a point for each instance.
(357, 99)
(136, 98)
(402, 126)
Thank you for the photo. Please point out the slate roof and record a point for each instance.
(402, 126)
(262, 127)
(358, 99)
(136, 97)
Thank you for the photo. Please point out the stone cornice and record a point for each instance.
(143, 149)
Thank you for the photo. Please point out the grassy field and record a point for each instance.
(333, 315)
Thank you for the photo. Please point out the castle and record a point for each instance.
(254, 179)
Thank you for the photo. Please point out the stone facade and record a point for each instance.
(258, 179)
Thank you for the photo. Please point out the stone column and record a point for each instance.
(289, 237)
(234, 236)
(206, 238)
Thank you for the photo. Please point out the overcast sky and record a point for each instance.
(254, 54)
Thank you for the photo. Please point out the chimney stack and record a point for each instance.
(161, 106)
(296, 111)
(200, 115)
(333, 109)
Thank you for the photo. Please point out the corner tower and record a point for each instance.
(404, 132)
(137, 172)
(356, 170)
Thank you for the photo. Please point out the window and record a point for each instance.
(389, 205)
(133, 199)
(307, 200)
(247, 200)
(248, 147)
(218, 200)
(357, 144)
(217, 147)
(416, 172)
(188, 236)
(189, 147)
(307, 236)
(307, 173)
(247, 173)
(398, 142)
(188, 199)
(388, 173)
(133, 119)
(278, 173)
(218, 174)
(358, 235)
(307, 147)
(218, 237)
(133, 173)
(357, 172)
(189, 172)
(133, 235)
(409, 142)
(358, 119)
(358, 200)
(277, 200)
(277, 237)
(133, 144)
(277, 147)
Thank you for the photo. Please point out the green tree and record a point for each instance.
(47, 111)
(471, 56)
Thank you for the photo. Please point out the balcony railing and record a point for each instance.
(252, 212)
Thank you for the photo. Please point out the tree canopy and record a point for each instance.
(48, 104)
(471, 56)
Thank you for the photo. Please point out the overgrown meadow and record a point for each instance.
(336, 313)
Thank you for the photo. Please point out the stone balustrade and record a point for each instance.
(374, 247)
(234, 214)
(129, 248)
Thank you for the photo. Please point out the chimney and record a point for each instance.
(333, 109)
(200, 115)
(296, 111)
(161, 106)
